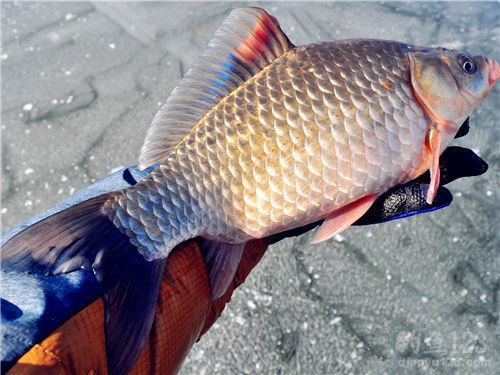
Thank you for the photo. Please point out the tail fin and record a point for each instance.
(83, 237)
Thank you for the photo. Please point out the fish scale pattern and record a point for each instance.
(322, 126)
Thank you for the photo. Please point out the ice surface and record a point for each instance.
(81, 83)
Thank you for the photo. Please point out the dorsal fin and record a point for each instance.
(248, 40)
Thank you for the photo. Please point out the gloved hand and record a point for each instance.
(185, 310)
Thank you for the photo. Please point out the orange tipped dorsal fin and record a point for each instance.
(248, 40)
(343, 218)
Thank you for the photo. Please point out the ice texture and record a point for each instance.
(81, 83)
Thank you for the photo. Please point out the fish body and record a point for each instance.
(322, 126)
(259, 137)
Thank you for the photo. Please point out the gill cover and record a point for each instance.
(435, 85)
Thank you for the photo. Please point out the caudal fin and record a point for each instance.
(83, 237)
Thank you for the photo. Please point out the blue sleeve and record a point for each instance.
(32, 306)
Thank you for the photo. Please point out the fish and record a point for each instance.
(259, 137)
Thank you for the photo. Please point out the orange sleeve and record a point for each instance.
(183, 314)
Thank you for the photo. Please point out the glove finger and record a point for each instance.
(457, 162)
(464, 129)
(402, 201)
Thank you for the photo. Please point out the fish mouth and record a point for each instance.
(493, 71)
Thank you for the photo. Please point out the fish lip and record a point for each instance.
(493, 71)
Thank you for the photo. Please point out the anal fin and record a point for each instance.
(343, 218)
(222, 260)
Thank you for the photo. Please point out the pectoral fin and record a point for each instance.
(435, 148)
(343, 218)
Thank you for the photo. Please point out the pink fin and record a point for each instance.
(343, 218)
(222, 260)
(435, 147)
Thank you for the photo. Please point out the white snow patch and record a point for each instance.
(240, 320)
(116, 169)
(4, 210)
(335, 320)
(198, 354)
(489, 193)
(251, 305)
(69, 16)
(28, 203)
(28, 171)
(424, 299)
(339, 238)
(112, 45)
(482, 297)
(64, 178)
(480, 324)
(67, 73)
(28, 107)
(266, 300)
(456, 44)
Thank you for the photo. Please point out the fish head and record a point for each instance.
(450, 84)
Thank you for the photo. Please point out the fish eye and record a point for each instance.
(467, 64)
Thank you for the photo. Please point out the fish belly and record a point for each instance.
(322, 126)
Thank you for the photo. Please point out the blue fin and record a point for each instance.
(248, 40)
(83, 237)
(222, 260)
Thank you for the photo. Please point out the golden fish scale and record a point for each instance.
(322, 126)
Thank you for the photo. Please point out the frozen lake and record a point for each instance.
(81, 83)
